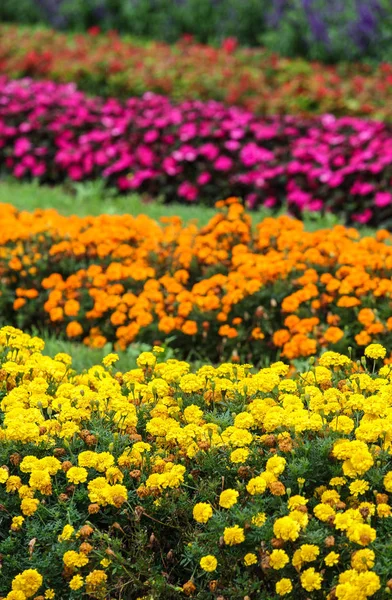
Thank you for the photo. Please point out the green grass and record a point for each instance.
(84, 357)
(92, 198)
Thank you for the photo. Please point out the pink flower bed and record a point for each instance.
(197, 151)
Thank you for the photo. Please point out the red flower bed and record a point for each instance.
(256, 79)
(195, 151)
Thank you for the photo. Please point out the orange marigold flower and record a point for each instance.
(74, 329)
(18, 303)
(189, 328)
(333, 335)
(363, 338)
(281, 337)
(56, 314)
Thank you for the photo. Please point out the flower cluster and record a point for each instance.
(256, 79)
(224, 481)
(197, 152)
(228, 290)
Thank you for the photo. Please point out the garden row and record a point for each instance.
(197, 152)
(218, 292)
(324, 29)
(281, 485)
(255, 79)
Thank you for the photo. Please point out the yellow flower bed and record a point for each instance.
(223, 483)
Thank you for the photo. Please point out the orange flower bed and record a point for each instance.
(226, 290)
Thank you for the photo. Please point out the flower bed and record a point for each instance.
(222, 291)
(219, 483)
(256, 79)
(197, 151)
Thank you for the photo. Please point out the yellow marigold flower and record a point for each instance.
(146, 359)
(66, 534)
(13, 483)
(256, 485)
(359, 487)
(17, 523)
(3, 475)
(50, 594)
(283, 586)
(233, 535)
(375, 351)
(27, 582)
(208, 563)
(276, 465)
(388, 481)
(323, 512)
(202, 512)
(259, 519)
(110, 359)
(311, 580)
(76, 582)
(362, 560)
(250, 559)
(332, 559)
(74, 559)
(278, 559)
(228, 498)
(28, 506)
(15, 595)
(95, 579)
(88, 459)
(337, 481)
(296, 501)
(105, 563)
(361, 533)
(286, 528)
(239, 455)
(384, 510)
(77, 475)
(309, 552)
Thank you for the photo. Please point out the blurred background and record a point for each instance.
(324, 30)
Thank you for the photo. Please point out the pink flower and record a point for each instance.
(188, 191)
(363, 217)
(382, 199)
(22, 145)
(223, 163)
(203, 178)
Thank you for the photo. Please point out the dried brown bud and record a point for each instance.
(84, 433)
(66, 465)
(85, 548)
(86, 531)
(15, 459)
(269, 440)
(93, 508)
(325, 385)
(364, 512)
(285, 445)
(276, 543)
(329, 541)
(91, 440)
(277, 488)
(58, 452)
(204, 445)
(244, 472)
(189, 588)
(382, 498)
